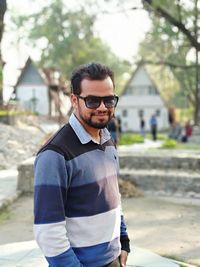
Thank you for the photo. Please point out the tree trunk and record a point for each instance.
(3, 8)
(197, 84)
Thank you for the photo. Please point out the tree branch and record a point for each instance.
(172, 20)
(167, 63)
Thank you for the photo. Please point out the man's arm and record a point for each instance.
(50, 194)
(125, 243)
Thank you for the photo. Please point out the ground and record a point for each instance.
(165, 227)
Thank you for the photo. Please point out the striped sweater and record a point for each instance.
(77, 212)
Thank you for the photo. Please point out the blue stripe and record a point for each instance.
(68, 259)
(92, 199)
(48, 204)
(91, 167)
(98, 255)
(50, 169)
(123, 231)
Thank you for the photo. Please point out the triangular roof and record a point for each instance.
(45, 75)
(139, 67)
(23, 71)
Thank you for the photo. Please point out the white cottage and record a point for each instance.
(42, 92)
(31, 90)
(141, 98)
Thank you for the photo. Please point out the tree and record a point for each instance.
(180, 19)
(3, 8)
(168, 64)
(67, 39)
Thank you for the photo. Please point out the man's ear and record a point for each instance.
(74, 101)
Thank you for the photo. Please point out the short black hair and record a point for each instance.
(90, 71)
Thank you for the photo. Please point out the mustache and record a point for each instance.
(100, 113)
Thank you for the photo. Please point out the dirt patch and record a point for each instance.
(128, 189)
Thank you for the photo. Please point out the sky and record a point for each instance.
(122, 30)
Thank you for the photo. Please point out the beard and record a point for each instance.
(94, 124)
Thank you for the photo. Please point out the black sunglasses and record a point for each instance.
(95, 101)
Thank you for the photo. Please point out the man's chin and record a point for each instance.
(99, 124)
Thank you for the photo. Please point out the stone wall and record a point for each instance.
(164, 175)
(25, 180)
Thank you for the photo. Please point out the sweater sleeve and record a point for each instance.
(124, 239)
(50, 194)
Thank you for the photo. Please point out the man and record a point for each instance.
(78, 220)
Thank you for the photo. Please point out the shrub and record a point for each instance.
(169, 143)
(128, 139)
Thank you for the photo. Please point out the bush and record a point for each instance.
(128, 139)
(169, 143)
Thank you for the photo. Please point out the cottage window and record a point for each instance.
(124, 113)
(141, 113)
(152, 90)
(158, 112)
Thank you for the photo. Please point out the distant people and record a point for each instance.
(176, 131)
(187, 132)
(113, 129)
(142, 126)
(171, 116)
(119, 125)
(153, 126)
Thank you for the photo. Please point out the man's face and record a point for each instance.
(98, 117)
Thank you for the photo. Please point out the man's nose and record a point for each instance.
(102, 105)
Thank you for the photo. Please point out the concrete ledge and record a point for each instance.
(160, 161)
(8, 193)
(27, 254)
(25, 180)
(165, 182)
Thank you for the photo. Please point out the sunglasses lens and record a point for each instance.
(92, 102)
(110, 101)
(95, 101)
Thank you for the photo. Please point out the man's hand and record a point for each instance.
(123, 258)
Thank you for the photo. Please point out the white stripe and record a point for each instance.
(93, 230)
(52, 238)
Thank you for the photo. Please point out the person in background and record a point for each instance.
(113, 129)
(77, 208)
(119, 125)
(153, 126)
(187, 132)
(142, 126)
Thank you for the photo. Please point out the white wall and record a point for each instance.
(133, 104)
(25, 93)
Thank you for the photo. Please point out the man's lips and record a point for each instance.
(100, 114)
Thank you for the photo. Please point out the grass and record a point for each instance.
(132, 138)
(188, 146)
(4, 215)
(129, 139)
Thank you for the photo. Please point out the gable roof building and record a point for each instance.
(40, 91)
(141, 99)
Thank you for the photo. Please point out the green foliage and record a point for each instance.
(160, 136)
(67, 39)
(169, 45)
(129, 139)
(187, 146)
(4, 215)
(169, 144)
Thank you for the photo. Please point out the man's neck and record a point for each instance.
(95, 133)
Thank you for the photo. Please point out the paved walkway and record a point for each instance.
(27, 254)
(8, 185)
